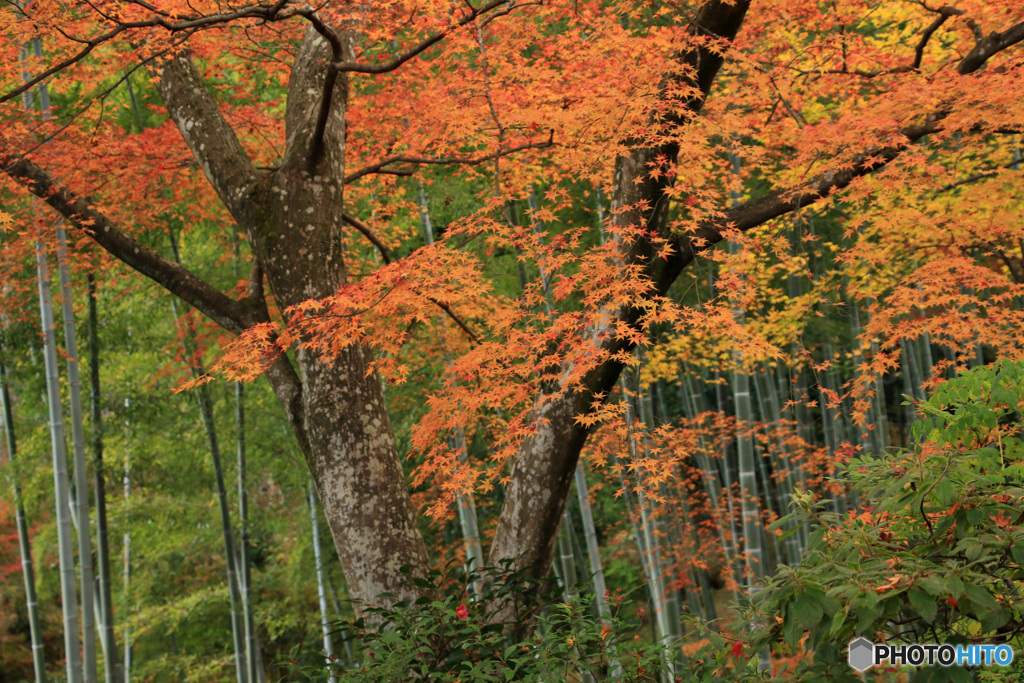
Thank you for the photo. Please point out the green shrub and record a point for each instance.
(936, 554)
(454, 637)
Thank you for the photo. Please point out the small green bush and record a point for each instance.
(934, 555)
(456, 636)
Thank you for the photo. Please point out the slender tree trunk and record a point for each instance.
(60, 475)
(202, 394)
(111, 661)
(237, 625)
(325, 624)
(8, 451)
(593, 549)
(127, 539)
(81, 497)
(65, 550)
(253, 660)
(253, 664)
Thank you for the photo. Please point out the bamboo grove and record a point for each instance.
(301, 304)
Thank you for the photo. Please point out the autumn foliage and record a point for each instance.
(532, 198)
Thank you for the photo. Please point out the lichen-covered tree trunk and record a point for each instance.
(292, 217)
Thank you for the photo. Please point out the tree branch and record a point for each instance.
(455, 318)
(265, 12)
(547, 459)
(340, 65)
(988, 46)
(976, 177)
(207, 133)
(944, 14)
(368, 234)
(422, 46)
(380, 166)
(219, 307)
(386, 257)
(780, 202)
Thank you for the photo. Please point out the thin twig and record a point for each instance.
(444, 161)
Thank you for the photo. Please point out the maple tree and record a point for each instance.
(300, 126)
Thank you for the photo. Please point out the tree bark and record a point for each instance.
(544, 466)
(293, 219)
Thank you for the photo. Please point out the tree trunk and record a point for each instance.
(292, 218)
(544, 467)
(81, 497)
(8, 450)
(65, 551)
(111, 663)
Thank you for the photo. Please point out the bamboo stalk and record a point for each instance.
(8, 451)
(202, 394)
(750, 509)
(66, 560)
(645, 535)
(81, 492)
(108, 643)
(253, 664)
(65, 551)
(593, 549)
(253, 661)
(325, 625)
(127, 538)
(779, 454)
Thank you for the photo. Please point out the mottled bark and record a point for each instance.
(293, 219)
(544, 466)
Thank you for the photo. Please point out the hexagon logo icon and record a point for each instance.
(862, 654)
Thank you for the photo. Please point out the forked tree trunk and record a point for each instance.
(292, 216)
(293, 221)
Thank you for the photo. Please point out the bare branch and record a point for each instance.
(458, 321)
(381, 166)
(264, 12)
(977, 176)
(219, 307)
(944, 14)
(368, 234)
(386, 257)
(422, 46)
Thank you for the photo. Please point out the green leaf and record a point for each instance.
(838, 621)
(981, 597)
(924, 604)
(945, 493)
(807, 610)
(791, 630)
